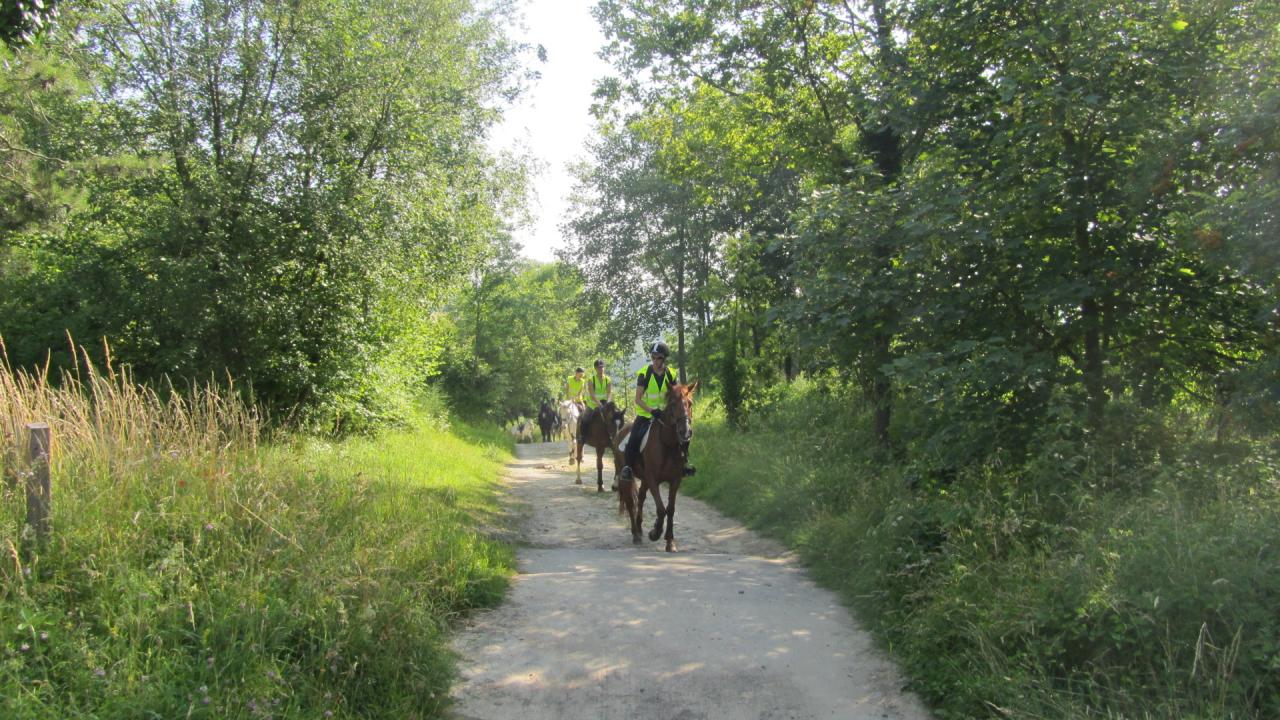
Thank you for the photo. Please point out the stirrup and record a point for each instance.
(690, 470)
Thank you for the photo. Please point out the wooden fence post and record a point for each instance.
(39, 487)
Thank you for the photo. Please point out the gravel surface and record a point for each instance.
(598, 628)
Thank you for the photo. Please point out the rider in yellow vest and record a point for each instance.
(575, 385)
(652, 383)
(599, 390)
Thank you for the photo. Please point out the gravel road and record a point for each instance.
(596, 628)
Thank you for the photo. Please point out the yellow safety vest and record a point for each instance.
(655, 388)
(576, 387)
(601, 386)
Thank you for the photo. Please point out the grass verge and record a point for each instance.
(195, 572)
(1021, 589)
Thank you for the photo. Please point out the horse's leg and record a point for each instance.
(599, 469)
(637, 522)
(674, 487)
(660, 511)
(577, 465)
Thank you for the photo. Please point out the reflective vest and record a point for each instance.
(655, 388)
(576, 387)
(601, 386)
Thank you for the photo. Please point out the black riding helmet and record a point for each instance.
(660, 348)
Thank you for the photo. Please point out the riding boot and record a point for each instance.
(688, 469)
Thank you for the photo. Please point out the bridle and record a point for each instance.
(683, 425)
(610, 426)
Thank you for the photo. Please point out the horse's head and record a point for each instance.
(613, 415)
(680, 409)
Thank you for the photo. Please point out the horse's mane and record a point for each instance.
(679, 392)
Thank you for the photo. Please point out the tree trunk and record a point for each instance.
(1090, 306)
(680, 269)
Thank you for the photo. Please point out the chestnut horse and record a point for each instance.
(661, 461)
(600, 433)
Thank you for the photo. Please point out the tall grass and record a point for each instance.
(197, 571)
(1135, 589)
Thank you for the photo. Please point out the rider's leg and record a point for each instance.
(633, 446)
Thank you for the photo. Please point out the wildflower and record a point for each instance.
(204, 700)
(328, 713)
(209, 661)
(208, 527)
(44, 635)
(24, 647)
(271, 675)
(26, 571)
(99, 672)
(204, 689)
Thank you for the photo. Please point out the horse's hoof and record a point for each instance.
(671, 546)
(577, 482)
(654, 535)
(599, 488)
(637, 539)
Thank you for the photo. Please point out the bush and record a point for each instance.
(1128, 573)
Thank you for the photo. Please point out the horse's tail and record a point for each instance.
(627, 495)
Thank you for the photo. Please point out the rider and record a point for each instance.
(574, 386)
(652, 383)
(599, 390)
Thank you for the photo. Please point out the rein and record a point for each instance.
(662, 421)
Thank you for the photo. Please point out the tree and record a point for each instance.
(22, 20)
(315, 169)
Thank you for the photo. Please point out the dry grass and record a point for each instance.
(103, 419)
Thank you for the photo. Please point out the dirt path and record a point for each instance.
(596, 628)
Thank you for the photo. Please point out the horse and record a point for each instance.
(662, 460)
(600, 433)
(546, 420)
(569, 413)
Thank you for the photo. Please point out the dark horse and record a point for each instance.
(601, 432)
(661, 461)
(546, 420)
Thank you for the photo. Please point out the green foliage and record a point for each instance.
(193, 573)
(300, 189)
(520, 330)
(22, 21)
(1048, 588)
(1022, 210)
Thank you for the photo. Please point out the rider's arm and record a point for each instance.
(640, 399)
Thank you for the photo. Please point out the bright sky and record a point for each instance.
(553, 120)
